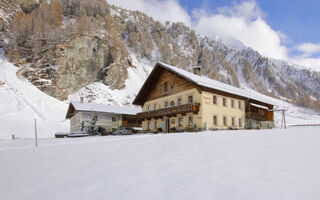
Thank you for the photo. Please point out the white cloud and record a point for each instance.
(308, 49)
(245, 23)
(312, 63)
(164, 10)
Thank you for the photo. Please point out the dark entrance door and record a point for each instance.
(167, 125)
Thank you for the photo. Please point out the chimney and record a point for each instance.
(81, 99)
(197, 70)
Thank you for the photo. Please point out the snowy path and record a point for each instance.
(265, 164)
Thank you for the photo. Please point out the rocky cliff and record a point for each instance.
(64, 45)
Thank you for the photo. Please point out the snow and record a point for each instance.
(250, 164)
(105, 108)
(21, 103)
(259, 106)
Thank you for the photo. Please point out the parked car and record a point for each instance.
(123, 131)
(78, 134)
(71, 134)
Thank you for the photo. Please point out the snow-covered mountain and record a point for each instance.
(78, 44)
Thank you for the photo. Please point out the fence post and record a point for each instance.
(35, 131)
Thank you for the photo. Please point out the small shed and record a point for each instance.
(108, 116)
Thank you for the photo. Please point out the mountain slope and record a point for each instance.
(21, 102)
(89, 41)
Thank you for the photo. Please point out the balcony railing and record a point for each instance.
(170, 111)
(256, 116)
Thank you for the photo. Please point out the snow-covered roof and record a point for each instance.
(104, 108)
(259, 106)
(213, 84)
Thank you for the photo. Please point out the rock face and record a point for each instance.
(78, 42)
(76, 63)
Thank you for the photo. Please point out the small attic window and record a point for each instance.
(165, 87)
(171, 86)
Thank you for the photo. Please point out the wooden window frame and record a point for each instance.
(165, 104)
(190, 117)
(180, 125)
(113, 117)
(188, 99)
(148, 125)
(225, 121)
(166, 87)
(155, 123)
(215, 100)
(224, 101)
(215, 120)
(180, 101)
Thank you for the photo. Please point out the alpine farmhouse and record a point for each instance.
(174, 99)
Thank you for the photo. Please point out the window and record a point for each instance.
(225, 121)
(190, 121)
(214, 99)
(165, 87)
(114, 119)
(166, 104)
(179, 101)
(239, 105)
(224, 101)
(190, 99)
(215, 120)
(172, 103)
(173, 121)
(232, 103)
(154, 106)
(148, 108)
(240, 122)
(232, 121)
(180, 122)
(155, 124)
(148, 125)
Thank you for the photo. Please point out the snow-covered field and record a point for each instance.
(251, 164)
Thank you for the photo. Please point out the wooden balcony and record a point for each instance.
(170, 111)
(256, 116)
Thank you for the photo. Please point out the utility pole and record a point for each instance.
(35, 131)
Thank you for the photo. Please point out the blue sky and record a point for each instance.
(299, 20)
(279, 29)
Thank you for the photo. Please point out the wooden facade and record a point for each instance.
(167, 83)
